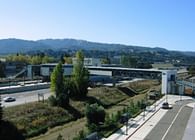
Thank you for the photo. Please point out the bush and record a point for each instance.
(93, 127)
(133, 109)
(37, 131)
(35, 118)
(110, 122)
(52, 100)
(61, 100)
(95, 114)
(118, 115)
(8, 131)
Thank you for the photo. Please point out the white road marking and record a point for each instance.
(172, 122)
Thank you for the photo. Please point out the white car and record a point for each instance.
(9, 99)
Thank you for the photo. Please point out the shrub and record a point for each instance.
(95, 114)
(61, 100)
(37, 131)
(8, 131)
(93, 127)
(118, 115)
(34, 118)
(110, 122)
(52, 100)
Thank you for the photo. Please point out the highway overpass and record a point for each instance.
(168, 77)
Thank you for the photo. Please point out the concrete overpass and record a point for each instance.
(168, 77)
(129, 72)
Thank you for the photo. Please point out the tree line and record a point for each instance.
(66, 87)
(27, 59)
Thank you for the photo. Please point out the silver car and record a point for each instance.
(9, 99)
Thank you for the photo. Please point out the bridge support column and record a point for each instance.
(113, 81)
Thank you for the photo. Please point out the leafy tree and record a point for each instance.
(2, 70)
(18, 58)
(95, 114)
(8, 131)
(192, 70)
(57, 79)
(68, 60)
(47, 59)
(80, 77)
(58, 86)
(128, 61)
(1, 111)
(35, 60)
(105, 60)
(144, 65)
(62, 59)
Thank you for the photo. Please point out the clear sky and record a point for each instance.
(155, 23)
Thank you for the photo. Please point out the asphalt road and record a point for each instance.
(25, 97)
(173, 124)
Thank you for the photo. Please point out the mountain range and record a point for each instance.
(8, 46)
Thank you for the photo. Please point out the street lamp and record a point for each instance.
(155, 102)
(143, 107)
(124, 120)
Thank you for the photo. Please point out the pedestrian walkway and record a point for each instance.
(189, 132)
(139, 127)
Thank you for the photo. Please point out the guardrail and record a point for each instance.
(22, 88)
(186, 83)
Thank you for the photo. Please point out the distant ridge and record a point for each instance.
(12, 45)
(18, 45)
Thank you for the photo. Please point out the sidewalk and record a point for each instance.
(139, 127)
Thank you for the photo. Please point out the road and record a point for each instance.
(173, 124)
(25, 97)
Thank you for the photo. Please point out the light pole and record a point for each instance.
(166, 97)
(181, 93)
(155, 102)
(143, 107)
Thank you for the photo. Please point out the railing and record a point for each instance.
(186, 83)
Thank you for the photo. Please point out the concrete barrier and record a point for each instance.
(22, 88)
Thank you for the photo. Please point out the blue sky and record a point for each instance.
(155, 23)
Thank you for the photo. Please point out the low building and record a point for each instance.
(163, 66)
(89, 61)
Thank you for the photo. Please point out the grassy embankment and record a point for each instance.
(35, 118)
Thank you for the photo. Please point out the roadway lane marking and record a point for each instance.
(172, 122)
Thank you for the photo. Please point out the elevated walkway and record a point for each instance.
(19, 74)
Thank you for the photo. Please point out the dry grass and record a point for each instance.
(110, 98)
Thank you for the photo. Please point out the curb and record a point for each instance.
(142, 124)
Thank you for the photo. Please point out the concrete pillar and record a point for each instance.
(113, 81)
(29, 71)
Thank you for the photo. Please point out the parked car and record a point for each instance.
(165, 105)
(9, 99)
